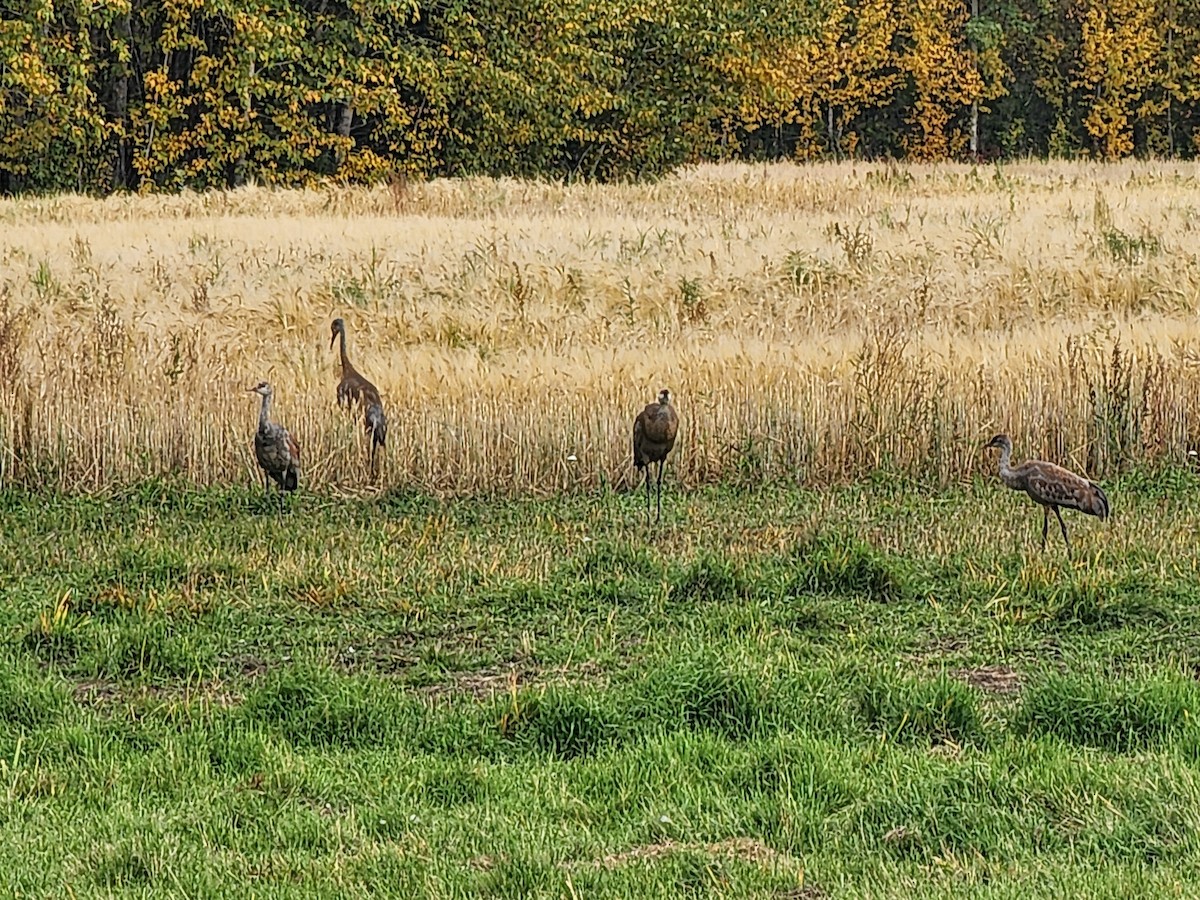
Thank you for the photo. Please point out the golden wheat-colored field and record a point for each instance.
(812, 322)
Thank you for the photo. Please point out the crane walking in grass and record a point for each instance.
(1051, 487)
(276, 450)
(354, 388)
(654, 432)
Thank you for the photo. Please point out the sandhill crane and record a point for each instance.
(1051, 487)
(654, 432)
(353, 388)
(277, 452)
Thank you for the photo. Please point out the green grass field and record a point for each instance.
(875, 690)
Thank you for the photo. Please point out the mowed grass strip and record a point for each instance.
(878, 690)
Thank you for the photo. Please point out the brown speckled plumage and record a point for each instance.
(276, 450)
(654, 432)
(354, 388)
(1051, 487)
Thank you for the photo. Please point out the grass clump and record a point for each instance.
(310, 706)
(148, 648)
(1122, 715)
(701, 693)
(937, 711)
(54, 638)
(725, 702)
(564, 723)
(1091, 599)
(612, 573)
(455, 783)
(710, 578)
(27, 699)
(1092, 603)
(842, 564)
(611, 559)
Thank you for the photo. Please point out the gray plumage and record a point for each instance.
(376, 424)
(1051, 487)
(276, 450)
(354, 388)
(654, 432)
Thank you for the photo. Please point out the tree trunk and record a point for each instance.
(974, 103)
(344, 119)
(239, 166)
(119, 105)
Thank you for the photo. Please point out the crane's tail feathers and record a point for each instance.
(291, 480)
(1100, 501)
(377, 424)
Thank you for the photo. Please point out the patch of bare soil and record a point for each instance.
(804, 892)
(481, 684)
(949, 750)
(388, 655)
(901, 834)
(101, 692)
(992, 679)
(97, 692)
(248, 665)
(484, 684)
(938, 648)
(744, 849)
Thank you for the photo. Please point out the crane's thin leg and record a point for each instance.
(1063, 525)
(647, 493)
(1045, 524)
(376, 450)
(658, 518)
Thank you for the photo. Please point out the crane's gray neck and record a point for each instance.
(263, 421)
(342, 347)
(1005, 462)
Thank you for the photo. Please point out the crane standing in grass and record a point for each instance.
(1051, 487)
(654, 432)
(354, 388)
(276, 450)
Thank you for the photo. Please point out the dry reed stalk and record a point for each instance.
(812, 322)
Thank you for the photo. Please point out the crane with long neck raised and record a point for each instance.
(354, 388)
(1050, 486)
(276, 450)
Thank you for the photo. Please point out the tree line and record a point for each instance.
(104, 95)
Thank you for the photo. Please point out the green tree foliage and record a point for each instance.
(1119, 65)
(52, 123)
(141, 95)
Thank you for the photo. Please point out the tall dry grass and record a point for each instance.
(812, 322)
